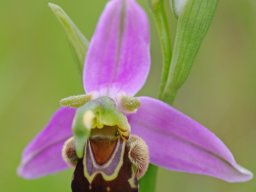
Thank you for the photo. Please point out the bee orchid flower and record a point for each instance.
(116, 67)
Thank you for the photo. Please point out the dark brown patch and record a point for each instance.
(71, 153)
(120, 184)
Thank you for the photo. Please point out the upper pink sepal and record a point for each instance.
(118, 58)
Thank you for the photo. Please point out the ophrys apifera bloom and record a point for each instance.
(116, 134)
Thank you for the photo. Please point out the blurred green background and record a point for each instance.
(37, 69)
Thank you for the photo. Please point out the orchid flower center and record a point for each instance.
(102, 151)
(110, 133)
(126, 104)
(99, 118)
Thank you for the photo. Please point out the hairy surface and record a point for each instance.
(138, 154)
(69, 153)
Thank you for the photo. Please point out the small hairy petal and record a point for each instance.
(69, 152)
(179, 143)
(43, 155)
(118, 58)
(138, 154)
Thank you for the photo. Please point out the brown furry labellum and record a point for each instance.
(108, 165)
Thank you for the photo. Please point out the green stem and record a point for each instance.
(163, 28)
(192, 27)
(148, 182)
(168, 97)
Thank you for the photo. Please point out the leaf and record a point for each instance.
(75, 37)
(194, 19)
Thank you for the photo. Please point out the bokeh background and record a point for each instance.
(37, 69)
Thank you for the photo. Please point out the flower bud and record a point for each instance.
(178, 6)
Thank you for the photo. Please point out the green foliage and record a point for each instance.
(163, 28)
(193, 24)
(75, 36)
(194, 19)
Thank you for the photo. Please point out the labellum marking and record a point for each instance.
(110, 169)
(116, 174)
(109, 159)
